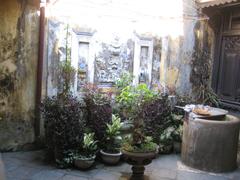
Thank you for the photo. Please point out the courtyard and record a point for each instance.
(119, 90)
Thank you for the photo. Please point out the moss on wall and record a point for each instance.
(18, 63)
(202, 62)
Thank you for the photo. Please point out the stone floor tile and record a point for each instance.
(47, 175)
(166, 161)
(22, 172)
(183, 175)
(83, 173)
(107, 175)
(121, 167)
(164, 173)
(71, 177)
(232, 175)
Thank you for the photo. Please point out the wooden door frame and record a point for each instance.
(219, 23)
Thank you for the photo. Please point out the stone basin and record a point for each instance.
(211, 145)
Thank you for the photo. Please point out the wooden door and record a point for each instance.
(228, 87)
(229, 76)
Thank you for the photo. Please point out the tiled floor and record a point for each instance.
(31, 166)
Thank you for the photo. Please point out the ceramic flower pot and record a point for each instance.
(110, 158)
(84, 163)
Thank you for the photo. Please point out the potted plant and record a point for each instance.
(110, 153)
(166, 141)
(139, 150)
(177, 139)
(85, 158)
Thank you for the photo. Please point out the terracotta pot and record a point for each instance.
(84, 163)
(110, 158)
(138, 161)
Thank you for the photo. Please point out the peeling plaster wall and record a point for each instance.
(177, 54)
(109, 55)
(202, 65)
(18, 63)
(171, 60)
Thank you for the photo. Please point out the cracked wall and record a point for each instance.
(18, 63)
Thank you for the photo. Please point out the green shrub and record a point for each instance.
(125, 80)
(157, 115)
(132, 97)
(146, 146)
(99, 111)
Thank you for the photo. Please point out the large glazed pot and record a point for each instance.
(110, 158)
(84, 163)
(138, 161)
(211, 145)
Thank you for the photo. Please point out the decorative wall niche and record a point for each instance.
(83, 58)
(143, 60)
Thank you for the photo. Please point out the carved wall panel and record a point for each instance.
(232, 43)
(112, 60)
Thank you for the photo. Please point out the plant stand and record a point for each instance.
(138, 161)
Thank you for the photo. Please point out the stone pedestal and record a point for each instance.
(138, 161)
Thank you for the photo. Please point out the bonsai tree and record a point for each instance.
(84, 158)
(132, 97)
(135, 98)
(112, 142)
(139, 149)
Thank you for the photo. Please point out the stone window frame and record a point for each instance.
(83, 37)
(139, 43)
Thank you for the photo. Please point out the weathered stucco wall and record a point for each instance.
(101, 58)
(177, 53)
(18, 63)
(170, 53)
(202, 59)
